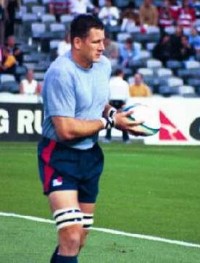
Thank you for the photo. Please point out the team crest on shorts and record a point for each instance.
(57, 182)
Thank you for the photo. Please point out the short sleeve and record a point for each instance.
(59, 93)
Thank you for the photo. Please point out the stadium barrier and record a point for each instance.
(21, 119)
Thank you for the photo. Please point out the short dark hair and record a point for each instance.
(82, 24)
(118, 72)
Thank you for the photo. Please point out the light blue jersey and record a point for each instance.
(72, 91)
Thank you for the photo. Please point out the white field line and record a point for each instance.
(109, 231)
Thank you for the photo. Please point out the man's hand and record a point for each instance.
(123, 122)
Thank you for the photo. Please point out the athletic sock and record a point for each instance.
(65, 259)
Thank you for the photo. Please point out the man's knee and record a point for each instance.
(69, 225)
(70, 240)
(73, 227)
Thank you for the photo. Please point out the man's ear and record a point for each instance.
(77, 43)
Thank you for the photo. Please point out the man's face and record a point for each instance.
(11, 41)
(138, 79)
(92, 46)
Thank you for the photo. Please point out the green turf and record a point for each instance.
(25, 241)
(152, 190)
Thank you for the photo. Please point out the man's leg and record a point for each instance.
(125, 136)
(68, 217)
(71, 238)
(108, 134)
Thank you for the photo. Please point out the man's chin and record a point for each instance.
(97, 59)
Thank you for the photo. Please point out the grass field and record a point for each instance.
(149, 190)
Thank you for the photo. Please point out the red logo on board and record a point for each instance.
(169, 131)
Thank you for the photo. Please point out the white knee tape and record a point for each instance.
(68, 217)
(88, 220)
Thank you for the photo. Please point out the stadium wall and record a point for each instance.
(21, 118)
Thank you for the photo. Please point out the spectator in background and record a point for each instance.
(111, 50)
(186, 51)
(186, 17)
(29, 85)
(129, 51)
(162, 50)
(14, 49)
(138, 88)
(174, 8)
(194, 40)
(64, 45)
(148, 14)
(3, 18)
(12, 7)
(81, 7)
(58, 8)
(130, 19)
(109, 14)
(175, 40)
(8, 63)
(119, 93)
(165, 17)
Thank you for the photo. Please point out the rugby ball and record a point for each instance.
(148, 115)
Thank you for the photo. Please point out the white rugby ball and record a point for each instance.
(148, 115)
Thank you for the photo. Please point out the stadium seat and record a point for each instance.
(27, 20)
(57, 30)
(170, 30)
(48, 19)
(39, 76)
(54, 43)
(154, 64)
(20, 71)
(174, 83)
(135, 64)
(28, 2)
(197, 90)
(192, 64)
(166, 91)
(122, 36)
(22, 10)
(121, 3)
(145, 55)
(6, 77)
(194, 82)
(145, 71)
(138, 3)
(186, 91)
(8, 83)
(10, 86)
(66, 20)
(29, 17)
(187, 31)
(150, 46)
(37, 30)
(39, 10)
(163, 74)
(183, 74)
(174, 65)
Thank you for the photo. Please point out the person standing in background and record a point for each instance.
(148, 14)
(119, 94)
(12, 7)
(3, 18)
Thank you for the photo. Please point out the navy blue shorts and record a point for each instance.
(65, 168)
